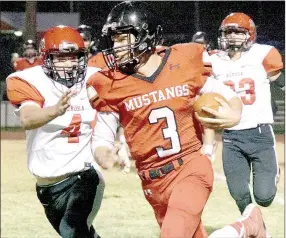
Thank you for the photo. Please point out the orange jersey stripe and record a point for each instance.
(23, 63)
(272, 61)
(19, 91)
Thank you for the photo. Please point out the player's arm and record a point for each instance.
(273, 64)
(103, 139)
(29, 102)
(209, 143)
(278, 79)
(105, 130)
(33, 116)
(229, 116)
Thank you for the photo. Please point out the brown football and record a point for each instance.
(207, 100)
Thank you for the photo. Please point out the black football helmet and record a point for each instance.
(201, 37)
(130, 18)
(85, 32)
(30, 49)
(30, 44)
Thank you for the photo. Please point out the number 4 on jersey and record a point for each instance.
(73, 130)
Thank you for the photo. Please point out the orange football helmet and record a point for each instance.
(64, 41)
(239, 23)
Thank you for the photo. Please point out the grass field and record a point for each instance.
(124, 212)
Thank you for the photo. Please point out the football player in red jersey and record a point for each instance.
(30, 57)
(152, 94)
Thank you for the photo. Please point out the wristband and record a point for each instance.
(208, 149)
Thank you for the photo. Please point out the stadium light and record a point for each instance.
(18, 33)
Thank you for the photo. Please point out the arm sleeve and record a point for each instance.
(207, 63)
(272, 61)
(96, 100)
(213, 85)
(20, 92)
(104, 132)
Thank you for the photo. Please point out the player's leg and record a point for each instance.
(54, 207)
(200, 231)
(187, 201)
(265, 167)
(237, 169)
(83, 203)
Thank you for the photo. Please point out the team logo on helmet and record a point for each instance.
(111, 26)
(65, 46)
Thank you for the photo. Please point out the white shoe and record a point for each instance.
(253, 222)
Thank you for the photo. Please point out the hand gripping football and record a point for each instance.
(207, 100)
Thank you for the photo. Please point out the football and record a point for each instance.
(207, 100)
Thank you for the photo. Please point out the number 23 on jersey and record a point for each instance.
(247, 85)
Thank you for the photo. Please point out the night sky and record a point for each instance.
(179, 17)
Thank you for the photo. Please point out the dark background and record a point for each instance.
(180, 20)
(179, 17)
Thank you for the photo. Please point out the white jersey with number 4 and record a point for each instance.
(247, 76)
(63, 145)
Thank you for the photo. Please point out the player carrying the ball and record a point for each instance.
(153, 94)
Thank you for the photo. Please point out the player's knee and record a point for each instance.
(239, 194)
(264, 202)
(67, 229)
(178, 223)
(264, 197)
(73, 228)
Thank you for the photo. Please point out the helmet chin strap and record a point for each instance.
(132, 63)
(130, 67)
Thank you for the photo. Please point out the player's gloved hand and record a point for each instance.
(105, 157)
(210, 151)
(63, 103)
(225, 117)
(124, 160)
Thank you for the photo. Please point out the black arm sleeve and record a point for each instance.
(280, 81)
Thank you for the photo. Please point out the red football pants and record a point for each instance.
(178, 199)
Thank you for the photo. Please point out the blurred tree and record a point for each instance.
(30, 21)
(197, 16)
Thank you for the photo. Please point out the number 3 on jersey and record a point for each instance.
(246, 84)
(73, 130)
(170, 132)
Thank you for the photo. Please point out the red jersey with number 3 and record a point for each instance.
(156, 112)
(62, 145)
(247, 76)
